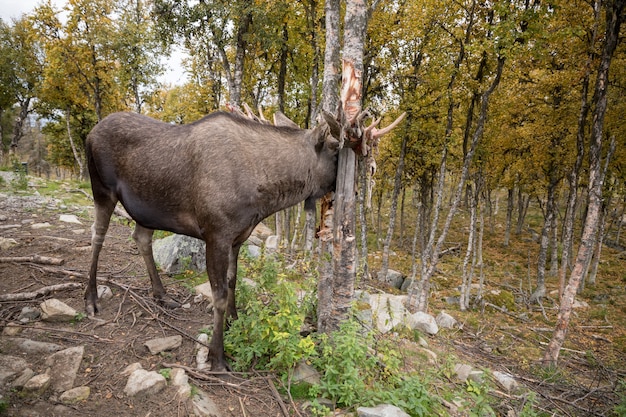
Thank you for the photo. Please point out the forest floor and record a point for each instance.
(587, 381)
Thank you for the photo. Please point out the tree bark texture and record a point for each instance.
(614, 11)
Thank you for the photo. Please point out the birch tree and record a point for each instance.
(614, 10)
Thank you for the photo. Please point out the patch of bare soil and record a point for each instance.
(116, 338)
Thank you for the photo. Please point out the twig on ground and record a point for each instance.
(22, 296)
(38, 259)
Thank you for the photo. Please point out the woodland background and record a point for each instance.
(527, 151)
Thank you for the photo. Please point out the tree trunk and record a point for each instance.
(330, 100)
(522, 207)
(509, 215)
(18, 127)
(614, 10)
(540, 290)
(467, 271)
(77, 157)
(570, 210)
(382, 274)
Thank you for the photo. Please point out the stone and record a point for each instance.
(69, 218)
(44, 225)
(11, 329)
(271, 243)
(204, 406)
(37, 384)
(388, 311)
(10, 366)
(75, 395)
(445, 321)
(177, 253)
(304, 372)
(261, 231)
(56, 310)
(205, 291)
(64, 366)
(254, 251)
(161, 344)
(462, 371)
(506, 381)
(35, 347)
(394, 278)
(29, 313)
(179, 378)
(104, 292)
(580, 304)
(131, 368)
(383, 410)
(7, 243)
(22, 378)
(423, 322)
(202, 352)
(142, 382)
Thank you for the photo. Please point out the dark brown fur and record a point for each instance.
(214, 179)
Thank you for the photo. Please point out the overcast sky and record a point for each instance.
(13, 9)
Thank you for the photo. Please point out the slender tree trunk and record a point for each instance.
(570, 211)
(18, 127)
(614, 10)
(330, 101)
(522, 207)
(467, 270)
(540, 290)
(554, 243)
(509, 215)
(364, 266)
(77, 157)
(382, 274)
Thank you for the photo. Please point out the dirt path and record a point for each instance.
(116, 338)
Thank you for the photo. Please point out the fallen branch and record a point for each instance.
(38, 259)
(22, 296)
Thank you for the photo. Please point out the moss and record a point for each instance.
(501, 298)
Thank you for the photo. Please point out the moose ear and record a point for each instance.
(333, 125)
(281, 120)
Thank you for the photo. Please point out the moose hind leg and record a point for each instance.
(143, 238)
(103, 210)
(217, 262)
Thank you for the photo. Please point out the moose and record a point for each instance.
(214, 179)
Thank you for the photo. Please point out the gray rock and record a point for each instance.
(37, 384)
(388, 311)
(205, 291)
(22, 378)
(179, 378)
(69, 218)
(254, 251)
(445, 321)
(202, 352)
(462, 371)
(104, 292)
(383, 410)
(33, 346)
(29, 313)
(177, 253)
(423, 322)
(506, 381)
(271, 243)
(7, 243)
(204, 406)
(131, 368)
(394, 278)
(56, 310)
(142, 382)
(161, 344)
(305, 373)
(10, 366)
(64, 367)
(75, 395)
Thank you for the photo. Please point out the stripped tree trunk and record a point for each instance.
(614, 10)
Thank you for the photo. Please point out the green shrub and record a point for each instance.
(267, 333)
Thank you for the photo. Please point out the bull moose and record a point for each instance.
(214, 179)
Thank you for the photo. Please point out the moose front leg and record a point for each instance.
(143, 238)
(231, 308)
(217, 265)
